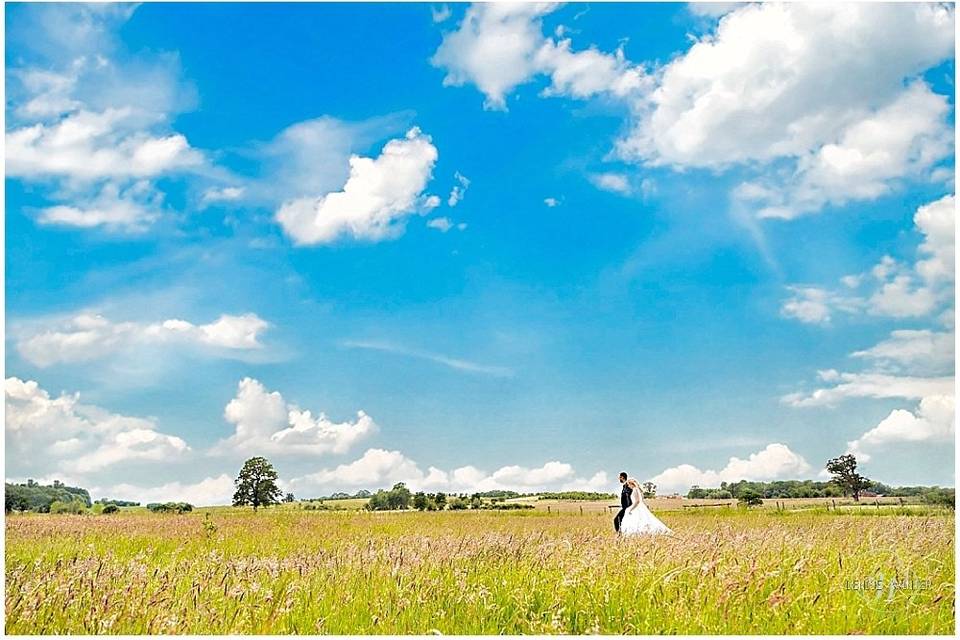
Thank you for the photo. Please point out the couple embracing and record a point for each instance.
(634, 517)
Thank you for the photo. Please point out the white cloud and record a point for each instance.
(441, 14)
(551, 202)
(814, 305)
(440, 224)
(784, 80)
(265, 422)
(89, 146)
(774, 462)
(587, 73)
(933, 421)
(222, 194)
(454, 363)
(90, 123)
(207, 492)
(870, 385)
(493, 48)
(381, 468)
(918, 351)
(903, 139)
(458, 190)
(87, 337)
(713, 9)
(132, 208)
(615, 182)
(891, 288)
(60, 433)
(377, 196)
(499, 46)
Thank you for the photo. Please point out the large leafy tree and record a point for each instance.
(257, 484)
(845, 476)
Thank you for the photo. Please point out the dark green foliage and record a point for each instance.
(36, 497)
(845, 476)
(750, 498)
(941, 497)
(696, 493)
(257, 484)
(458, 504)
(420, 501)
(119, 503)
(498, 493)
(576, 495)
(110, 508)
(289, 498)
(70, 506)
(398, 497)
(170, 507)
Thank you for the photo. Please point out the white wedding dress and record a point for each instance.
(640, 520)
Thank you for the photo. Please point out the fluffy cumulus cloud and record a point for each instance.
(615, 182)
(932, 421)
(60, 434)
(91, 123)
(382, 468)
(904, 139)
(778, 80)
(499, 46)
(800, 93)
(378, 194)
(458, 190)
(86, 337)
(265, 423)
(892, 288)
(776, 461)
(217, 490)
(914, 351)
(869, 384)
(737, 97)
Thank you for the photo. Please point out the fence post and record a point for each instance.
(876, 501)
(581, 509)
(548, 508)
(834, 504)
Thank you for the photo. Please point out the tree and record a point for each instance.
(845, 476)
(696, 492)
(750, 498)
(289, 498)
(110, 508)
(440, 499)
(649, 490)
(420, 501)
(257, 484)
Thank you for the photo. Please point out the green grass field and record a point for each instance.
(343, 572)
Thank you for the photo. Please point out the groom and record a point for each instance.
(624, 501)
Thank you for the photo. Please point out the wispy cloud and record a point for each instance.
(439, 358)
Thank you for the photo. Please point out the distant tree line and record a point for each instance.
(32, 496)
(170, 507)
(576, 495)
(117, 503)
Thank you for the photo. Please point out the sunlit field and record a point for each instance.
(727, 570)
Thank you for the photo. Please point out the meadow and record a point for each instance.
(287, 570)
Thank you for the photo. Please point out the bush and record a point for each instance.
(750, 498)
(110, 508)
(73, 506)
(941, 497)
(458, 504)
(170, 507)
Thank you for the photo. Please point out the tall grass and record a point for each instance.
(289, 571)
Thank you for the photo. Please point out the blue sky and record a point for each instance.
(531, 245)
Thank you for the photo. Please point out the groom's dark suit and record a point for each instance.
(625, 501)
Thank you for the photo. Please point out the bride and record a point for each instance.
(638, 518)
